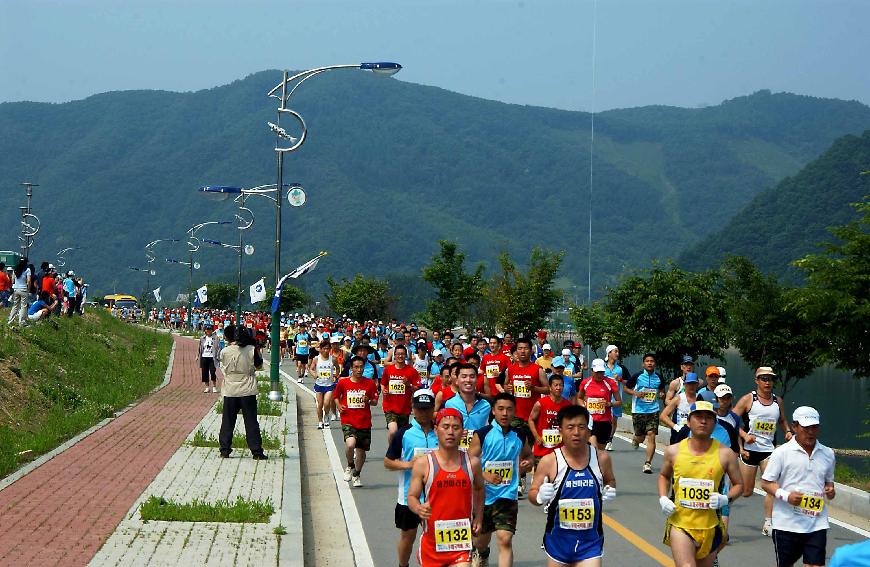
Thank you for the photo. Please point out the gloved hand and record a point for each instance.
(668, 506)
(677, 428)
(718, 501)
(546, 492)
(609, 494)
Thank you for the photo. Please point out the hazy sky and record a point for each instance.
(536, 52)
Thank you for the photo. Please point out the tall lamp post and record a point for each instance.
(29, 222)
(192, 246)
(285, 143)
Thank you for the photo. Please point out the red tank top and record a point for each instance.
(447, 533)
(524, 381)
(546, 425)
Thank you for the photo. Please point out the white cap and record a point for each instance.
(566, 352)
(610, 348)
(334, 339)
(437, 352)
(722, 372)
(547, 346)
(805, 416)
(463, 337)
(598, 365)
(723, 390)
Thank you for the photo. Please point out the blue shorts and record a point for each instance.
(571, 550)
(324, 389)
(616, 411)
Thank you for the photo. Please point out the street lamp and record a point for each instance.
(29, 222)
(149, 271)
(192, 246)
(285, 143)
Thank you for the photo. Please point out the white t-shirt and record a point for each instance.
(20, 283)
(208, 347)
(796, 471)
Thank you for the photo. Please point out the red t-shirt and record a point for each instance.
(398, 386)
(546, 424)
(494, 364)
(598, 395)
(6, 285)
(506, 349)
(357, 414)
(524, 380)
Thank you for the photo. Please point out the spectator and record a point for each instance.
(41, 308)
(21, 277)
(5, 286)
(239, 361)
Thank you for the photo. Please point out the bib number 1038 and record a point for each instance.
(453, 535)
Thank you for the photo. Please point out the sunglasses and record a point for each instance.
(766, 378)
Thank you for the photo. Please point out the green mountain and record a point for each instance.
(787, 221)
(391, 167)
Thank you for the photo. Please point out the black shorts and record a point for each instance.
(755, 459)
(601, 430)
(790, 547)
(405, 518)
(303, 358)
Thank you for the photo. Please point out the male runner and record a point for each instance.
(707, 391)
(452, 483)
(598, 394)
(354, 397)
(761, 411)
(647, 388)
(676, 385)
(692, 474)
(494, 364)
(800, 475)
(398, 383)
(676, 413)
(582, 480)
(473, 408)
(301, 340)
(415, 439)
(542, 420)
(614, 370)
(504, 453)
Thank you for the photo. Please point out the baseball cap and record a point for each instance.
(423, 399)
(722, 372)
(701, 405)
(690, 377)
(448, 412)
(805, 416)
(421, 341)
(559, 364)
(463, 337)
(566, 352)
(610, 348)
(687, 359)
(335, 339)
(437, 352)
(598, 365)
(723, 390)
(764, 371)
(70, 273)
(712, 370)
(547, 346)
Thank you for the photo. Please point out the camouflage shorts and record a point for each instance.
(500, 515)
(363, 436)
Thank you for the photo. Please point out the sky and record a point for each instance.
(536, 52)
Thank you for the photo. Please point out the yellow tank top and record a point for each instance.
(696, 478)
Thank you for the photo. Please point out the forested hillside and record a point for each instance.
(391, 167)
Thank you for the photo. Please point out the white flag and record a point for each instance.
(157, 295)
(202, 294)
(181, 298)
(258, 291)
(300, 271)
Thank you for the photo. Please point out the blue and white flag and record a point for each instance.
(201, 295)
(157, 295)
(300, 271)
(258, 291)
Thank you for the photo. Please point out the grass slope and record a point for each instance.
(63, 376)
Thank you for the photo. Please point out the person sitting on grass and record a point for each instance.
(41, 308)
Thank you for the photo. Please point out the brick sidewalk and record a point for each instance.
(62, 512)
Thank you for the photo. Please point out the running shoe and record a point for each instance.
(326, 424)
(320, 425)
(214, 390)
(647, 468)
(357, 482)
(609, 446)
(205, 391)
(766, 528)
(635, 444)
(348, 472)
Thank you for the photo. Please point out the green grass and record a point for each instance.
(241, 511)
(280, 530)
(845, 474)
(265, 406)
(202, 439)
(62, 376)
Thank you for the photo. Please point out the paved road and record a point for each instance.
(633, 523)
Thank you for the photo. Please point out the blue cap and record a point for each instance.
(690, 377)
(688, 359)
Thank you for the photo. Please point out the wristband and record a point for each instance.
(677, 428)
(782, 494)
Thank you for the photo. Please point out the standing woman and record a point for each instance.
(21, 277)
(239, 360)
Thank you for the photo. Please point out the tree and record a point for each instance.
(591, 322)
(765, 325)
(291, 298)
(361, 298)
(455, 289)
(836, 299)
(670, 312)
(221, 295)
(522, 302)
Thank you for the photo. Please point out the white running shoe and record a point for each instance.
(205, 391)
(320, 425)
(647, 468)
(348, 472)
(766, 528)
(326, 424)
(357, 482)
(299, 380)
(609, 446)
(334, 417)
(214, 390)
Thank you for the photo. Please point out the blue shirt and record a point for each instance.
(645, 381)
(302, 337)
(36, 306)
(853, 555)
(497, 449)
(407, 443)
(476, 418)
(69, 287)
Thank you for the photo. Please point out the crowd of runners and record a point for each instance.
(34, 295)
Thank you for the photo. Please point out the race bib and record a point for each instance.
(303, 344)
(324, 374)
(522, 390)
(764, 427)
(453, 535)
(424, 374)
(576, 513)
(648, 395)
(551, 438)
(356, 399)
(811, 504)
(397, 387)
(682, 418)
(466, 439)
(596, 406)
(492, 371)
(422, 451)
(504, 470)
(694, 493)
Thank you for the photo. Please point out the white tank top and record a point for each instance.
(682, 413)
(324, 372)
(762, 424)
(422, 368)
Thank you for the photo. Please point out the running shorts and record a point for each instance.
(601, 430)
(303, 358)
(405, 518)
(755, 458)
(791, 546)
(363, 436)
(644, 423)
(500, 515)
(324, 389)
(401, 419)
(707, 540)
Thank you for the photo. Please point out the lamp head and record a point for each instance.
(383, 68)
(220, 192)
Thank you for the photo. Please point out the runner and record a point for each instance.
(473, 408)
(647, 388)
(398, 383)
(582, 480)
(542, 420)
(503, 453)
(524, 380)
(494, 364)
(676, 413)
(354, 397)
(569, 388)
(325, 370)
(415, 439)
(676, 385)
(596, 394)
(761, 410)
(301, 340)
(692, 473)
(707, 391)
(614, 370)
(800, 475)
(444, 387)
(452, 482)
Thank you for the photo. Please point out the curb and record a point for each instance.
(29, 467)
(290, 550)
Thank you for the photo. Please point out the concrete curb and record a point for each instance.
(29, 467)
(290, 549)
